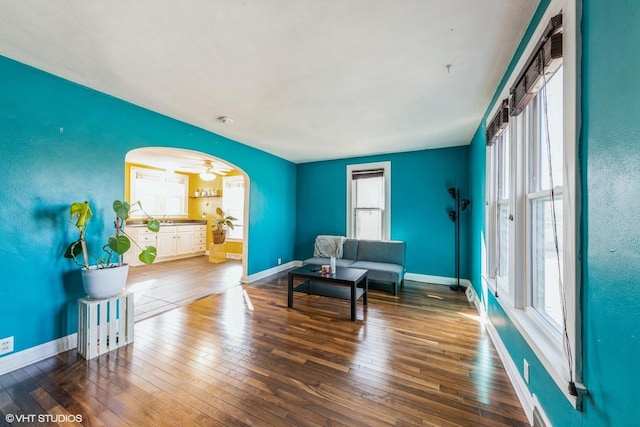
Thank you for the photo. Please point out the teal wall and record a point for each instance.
(609, 252)
(419, 205)
(610, 181)
(44, 169)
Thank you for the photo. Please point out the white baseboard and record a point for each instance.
(414, 277)
(266, 273)
(230, 255)
(522, 391)
(438, 280)
(35, 354)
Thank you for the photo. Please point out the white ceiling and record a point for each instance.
(303, 79)
(177, 160)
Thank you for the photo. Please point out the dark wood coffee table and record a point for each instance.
(317, 283)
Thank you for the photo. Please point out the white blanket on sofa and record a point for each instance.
(328, 246)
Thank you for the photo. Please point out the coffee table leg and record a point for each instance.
(353, 300)
(290, 293)
(366, 290)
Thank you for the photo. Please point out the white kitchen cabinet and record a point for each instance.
(167, 242)
(145, 238)
(171, 242)
(200, 239)
(184, 240)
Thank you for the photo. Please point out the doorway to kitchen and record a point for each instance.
(196, 196)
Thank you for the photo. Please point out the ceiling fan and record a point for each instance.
(210, 172)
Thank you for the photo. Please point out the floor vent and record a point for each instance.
(539, 417)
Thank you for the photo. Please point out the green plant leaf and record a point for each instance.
(153, 225)
(219, 211)
(148, 255)
(73, 250)
(121, 209)
(83, 211)
(120, 244)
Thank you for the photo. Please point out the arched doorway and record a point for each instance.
(185, 189)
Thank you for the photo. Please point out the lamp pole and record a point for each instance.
(461, 205)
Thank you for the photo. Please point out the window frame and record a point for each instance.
(163, 176)
(504, 167)
(532, 193)
(547, 346)
(386, 214)
(238, 225)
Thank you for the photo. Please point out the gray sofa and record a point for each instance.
(383, 258)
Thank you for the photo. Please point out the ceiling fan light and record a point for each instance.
(207, 176)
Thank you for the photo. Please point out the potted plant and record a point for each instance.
(220, 225)
(108, 276)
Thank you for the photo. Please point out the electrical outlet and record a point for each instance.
(526, 370)
(6, 345)
(279, 261)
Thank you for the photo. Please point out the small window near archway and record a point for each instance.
(233, 204)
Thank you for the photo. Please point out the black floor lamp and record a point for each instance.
(461, 205)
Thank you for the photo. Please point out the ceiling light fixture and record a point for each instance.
(225, 120)
(207, 174)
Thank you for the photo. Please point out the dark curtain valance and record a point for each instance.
(545, 60)
(499, 123)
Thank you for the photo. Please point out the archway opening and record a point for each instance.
(186, 190)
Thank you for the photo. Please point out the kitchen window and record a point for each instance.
(161, 194)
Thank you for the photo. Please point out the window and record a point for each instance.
(233, 204)
(368, 201)
(531, 227)
(499, 197)
(160, 193)
(544, 199)
(503, 212)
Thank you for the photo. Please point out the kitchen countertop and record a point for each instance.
(142, 223)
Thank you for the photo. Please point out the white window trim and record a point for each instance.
(235, 178)
(547, 347)
(386, 222)
(162, 175)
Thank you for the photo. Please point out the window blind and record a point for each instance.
(499, 123)
(371, 173)
(545, 60)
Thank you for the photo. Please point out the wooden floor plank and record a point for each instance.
(421, 358)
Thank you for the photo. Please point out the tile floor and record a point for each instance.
(167, 285)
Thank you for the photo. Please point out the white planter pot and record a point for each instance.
(104, 282)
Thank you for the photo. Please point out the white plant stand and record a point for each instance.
(104, 324)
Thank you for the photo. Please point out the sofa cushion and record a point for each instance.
(381, 271)
(391, 252)
(350, 249)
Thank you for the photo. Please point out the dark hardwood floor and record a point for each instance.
(419, 359)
